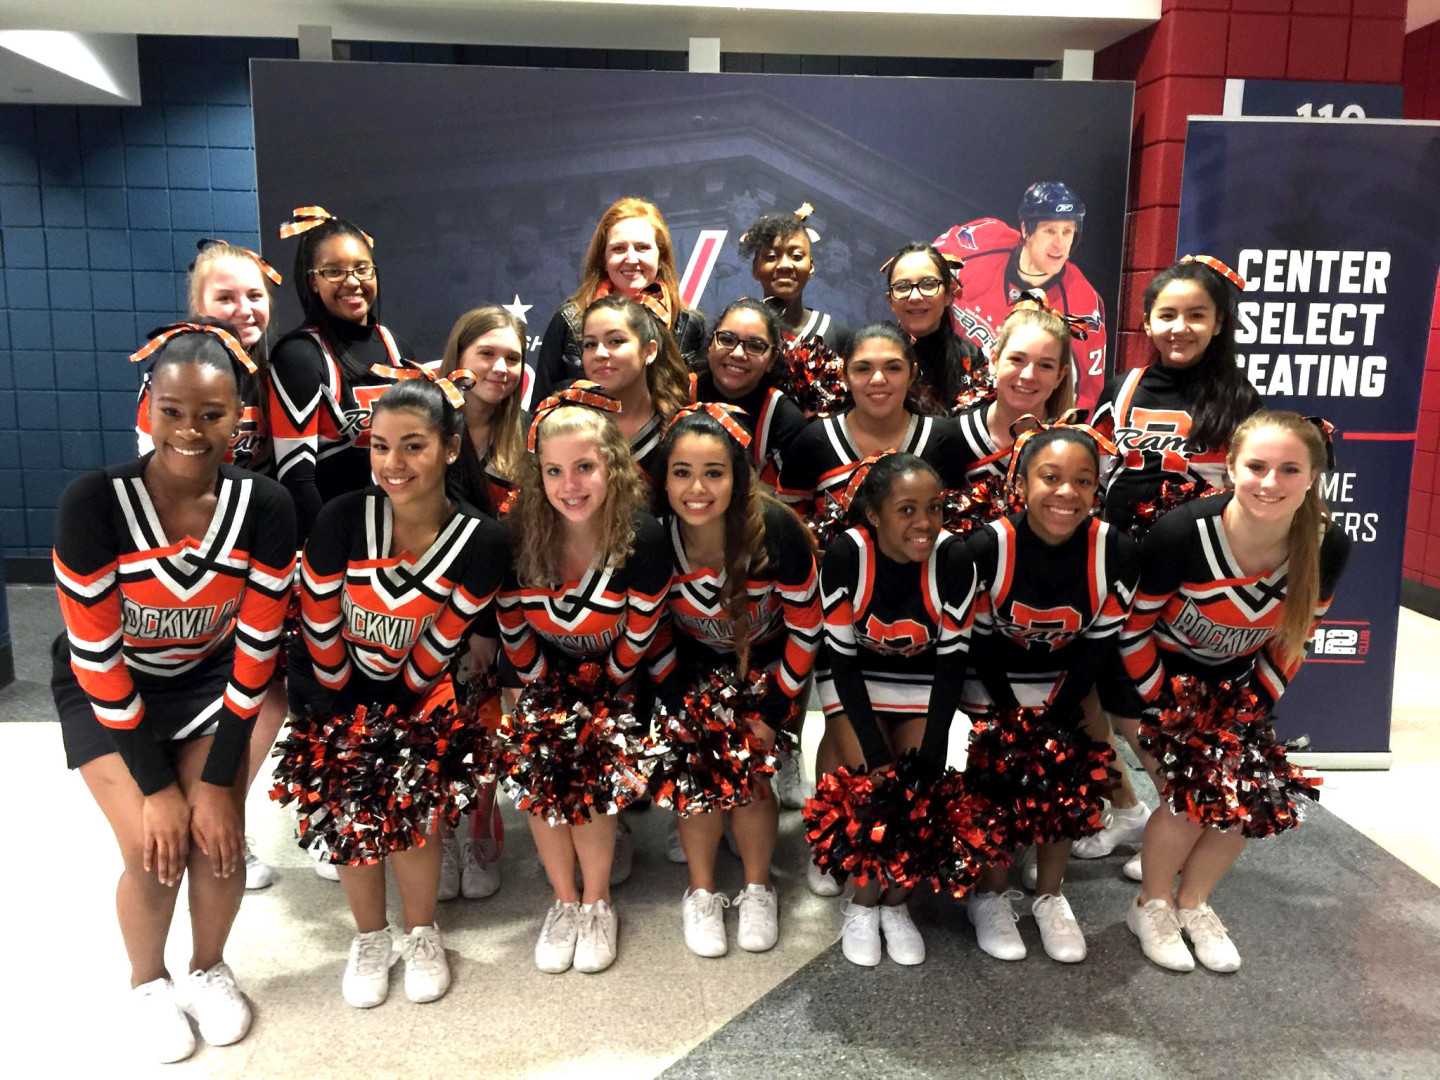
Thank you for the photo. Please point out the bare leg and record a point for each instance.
(267, 728)
(214, 901)
(700, 837)
(1051, 860)
(555, 846)
(756, 824)
(1169, 840)
(1098, 727)
(365, 891)
(1210, 860)
(595, 848)
(417, 876)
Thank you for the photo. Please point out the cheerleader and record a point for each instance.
(589, 582)
(897, 592)
(627, 351)
(1171, 421)
(920, 284)
(629, 254)
(1231, 588)
(322, 385)
(168, 649)
(392, 577)
(742, 594)
(780, 248)
(1054, 586)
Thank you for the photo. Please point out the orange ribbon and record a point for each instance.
(452, 385)
(1068, 421)
(857, 478)
(581, 392)
(652, 298)
(229, 340)
(723, 414)
(1078, 325)
(305, 218)
(1219, 268)
(265, 268)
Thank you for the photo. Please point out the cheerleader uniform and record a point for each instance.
(560, 360)
(824, 326)
(951, 368)
(1146, 413)
(888, 625)
(977, 456)
(782, 616)
(773, 421)
(167, 642)
(249, 446)
(320, 401)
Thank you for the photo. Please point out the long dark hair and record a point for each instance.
(936, 391)
(316, 314)
(1223, 395)
(427, 399)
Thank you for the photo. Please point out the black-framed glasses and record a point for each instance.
(336, 274)
(755, 348)
(927, 287)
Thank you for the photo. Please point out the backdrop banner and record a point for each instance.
(483, 185)
(1336, 229)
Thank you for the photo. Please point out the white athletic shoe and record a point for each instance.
(449, 886)
(1133, 868)
(702, 913)
(994, 920)
(555, 948)
(1208, 935)
(624, 860)
(161, 1030)
(860, 935)
(759, 908)
(674, 849)
(902, 939)
(427, 971)
(1059, 931)
(366, 982)
(258, 875)
(790, 786)
(1030, 868)
(1122, 828)
(220, 1010)
(479, 878)
(821, 883)
(327, 870)
(599, 937)
(1155, 924)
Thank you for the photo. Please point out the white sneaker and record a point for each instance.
(479, 878)
(624, 860)
(1158, 929)
(860, 935)
(902, 940)
(994, 920)
(1059, 931)
(702, 913)
(160, 1026)
(599, 930)
(790, 786)
(555, 948)
(449, 887)
(1207, 933)
(759, 907)
(1133, 868)
(821, 883)
(327, 870)
(367, 973)
(1121, 828)
(427, 971)
(1030, 868)
(258, 875)
(674, 849)
(221, 1012)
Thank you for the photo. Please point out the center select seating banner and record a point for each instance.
(483, 185)
(1335, 227)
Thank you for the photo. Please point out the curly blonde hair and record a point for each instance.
(536, 525)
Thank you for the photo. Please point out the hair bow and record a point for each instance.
(1219, 268)
(265, 268)
(1079, 326)
(955, 263)
(581, 392)
(1069, 422)
(229, 340)
(723, 414)
(802, 214)
(1327, 434)
(453, 385)
(857, 478)
(305, 218)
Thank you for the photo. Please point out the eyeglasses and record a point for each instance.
(336, 274)
(755, 348)
(926, 287)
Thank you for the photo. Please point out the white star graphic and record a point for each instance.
(516, 308)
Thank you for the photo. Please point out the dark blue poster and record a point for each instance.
(1336, 229)
(483, 185)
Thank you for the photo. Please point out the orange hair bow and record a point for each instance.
(229, 340)
(1079, 326)
(265, 268)
(305, 218)
(581, 392)
(453, 385)
(1219, 268)
(1067, 422)
(723, 414)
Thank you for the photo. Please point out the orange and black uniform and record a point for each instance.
(249, 446)
(167, 641)
(772, 419)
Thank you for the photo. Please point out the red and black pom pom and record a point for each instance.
(831, 518)
(1221, 762)
(1173, 493)
(963, 510)
(573, 747)
(812, 375)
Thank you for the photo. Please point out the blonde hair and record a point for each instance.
(205, 260)
(1302, 575)
(666, 378)
(1062, 398)
(592, 269)
(507, 436)
(537, 523)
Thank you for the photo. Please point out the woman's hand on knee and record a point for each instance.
(165, 818)
(216, 827)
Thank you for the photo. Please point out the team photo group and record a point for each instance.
(617, 567)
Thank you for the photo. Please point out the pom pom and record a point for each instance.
(812, 375)
(963, 510)
(1221, 762)
(707, 756)
(1044, 773)
(573, 747)
(292, 632)
(973, 833)
(831, 518)
(371, 782)
(1173, 493)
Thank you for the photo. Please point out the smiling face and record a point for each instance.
(234, 292)
(1047, 247)
(1181, 323)
(408, 455)
(879, 376)
(348, 298)
(574, 476)
(1271, 472)
(632, 255)
(495, 359)
(194, 408)
(1059, 487)
(917, 314)
(737, 370)
(783, 268)
(612, 353)
(1028, 369)
(907, 522)
(699, 480)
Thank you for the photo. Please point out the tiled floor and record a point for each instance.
(1340, 941)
